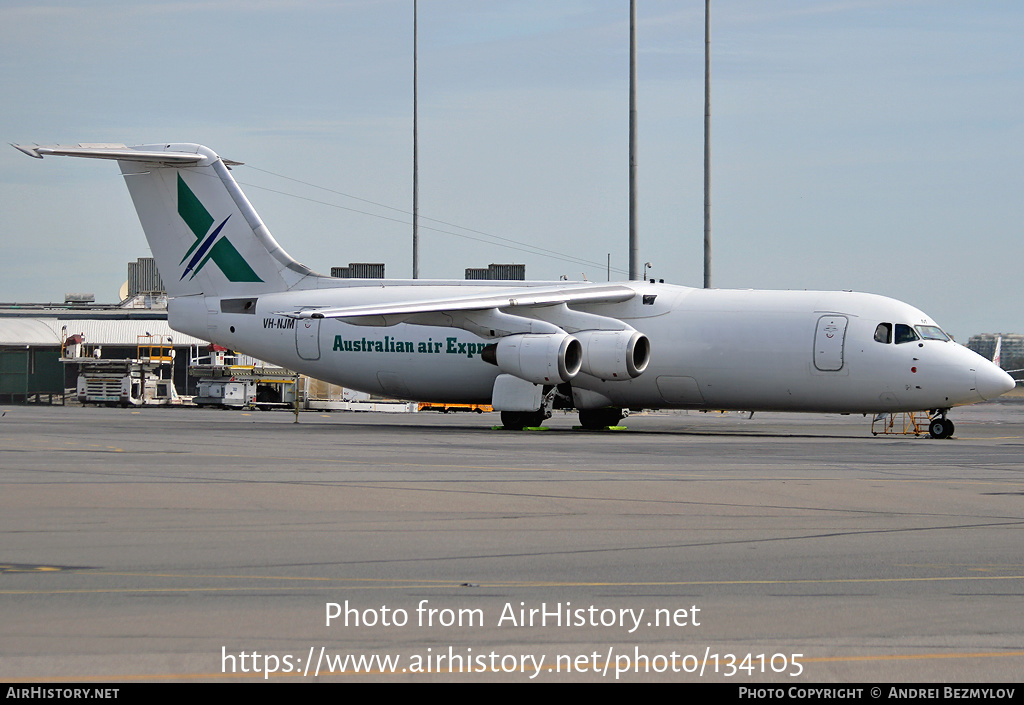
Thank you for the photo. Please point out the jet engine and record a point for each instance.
(542, 359)
(614, 354)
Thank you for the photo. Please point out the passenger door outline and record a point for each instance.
(829, 343)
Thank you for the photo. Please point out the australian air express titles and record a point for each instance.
(449, 346)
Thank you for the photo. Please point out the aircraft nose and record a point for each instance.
(992, 382)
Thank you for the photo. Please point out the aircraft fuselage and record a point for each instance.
(710, 349)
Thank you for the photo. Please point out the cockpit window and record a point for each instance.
(905, 334)
(931, 333)
(883, 333)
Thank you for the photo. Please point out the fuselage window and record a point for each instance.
(905, 334)
(883, 334)
(931, 333)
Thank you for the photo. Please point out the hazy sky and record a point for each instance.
(875, 146)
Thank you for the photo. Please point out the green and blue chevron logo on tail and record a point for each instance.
(209, 245)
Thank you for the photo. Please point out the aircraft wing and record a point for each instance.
(521, 297)
(538, 336)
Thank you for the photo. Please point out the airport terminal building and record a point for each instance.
(33, 339)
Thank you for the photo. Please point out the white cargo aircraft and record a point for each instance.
(528, 347)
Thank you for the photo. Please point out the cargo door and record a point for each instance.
(829, 340)
(307, 338)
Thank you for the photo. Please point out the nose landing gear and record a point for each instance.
(940, 426)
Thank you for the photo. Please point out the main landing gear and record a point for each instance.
(593, 419)
(553, 398)
(940, 426)
(518, 420)
(597, 419)
(560, 397)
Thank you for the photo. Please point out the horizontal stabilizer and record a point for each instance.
(110, 151)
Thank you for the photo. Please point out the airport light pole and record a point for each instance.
(707, 144)
(415, 147)
(634, 247)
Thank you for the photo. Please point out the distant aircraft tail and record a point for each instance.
(205, 236)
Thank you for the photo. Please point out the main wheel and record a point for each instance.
(596, 419)
(940, 428)
(518, 420)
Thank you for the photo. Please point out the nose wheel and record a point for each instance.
(941, 427)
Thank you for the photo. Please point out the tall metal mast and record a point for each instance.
(634, 246)
(415, 147)
(707, 144)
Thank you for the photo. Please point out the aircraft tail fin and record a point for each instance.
(205, 236)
